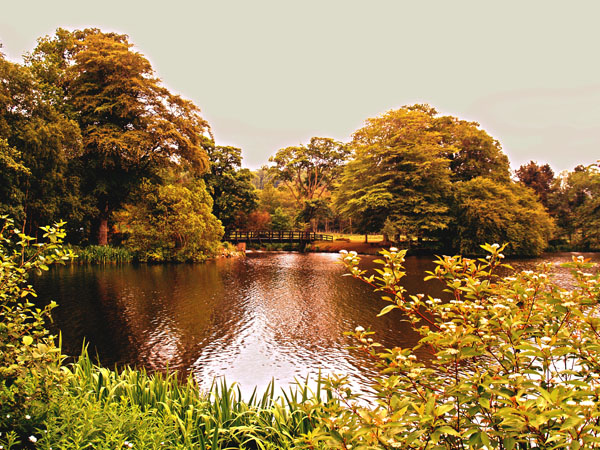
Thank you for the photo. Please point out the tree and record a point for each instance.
(42, 141)
(308, 171)
(230, 186)
(575, 201)
(471, 151)
(539, 178)
(313, 212)
(131, 125)
(11, 169)
(409, 165)
(485, 210)
(171, 221)
(280, 221)
(400, 170)
(262, 177)
(256, 220)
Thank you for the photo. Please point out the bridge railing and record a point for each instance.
(275, 236)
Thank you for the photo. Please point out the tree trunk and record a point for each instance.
(366, 238)
(103, 231)
(103, 228)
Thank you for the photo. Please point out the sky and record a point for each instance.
(272, 74)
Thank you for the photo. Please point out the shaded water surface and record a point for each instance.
(270, 315)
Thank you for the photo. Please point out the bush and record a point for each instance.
(29, 360)
(171, 222)
(514, 361)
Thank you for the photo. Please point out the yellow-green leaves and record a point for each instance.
(504, 361)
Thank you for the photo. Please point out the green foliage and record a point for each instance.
(313, 212)
(102, 254)
(280, 221)
(171, 222)
(575, 201)
(37, 143)
(514, 361)
(486, 210)
(539, 178)
(29, 360)
(308, 171)
(472, 152)
(11, 168)
(229, 185)
(98, 407)
(131, 126)
(415, 174)
(400, 171)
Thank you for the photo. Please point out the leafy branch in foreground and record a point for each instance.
(29, 359)
(514, 361)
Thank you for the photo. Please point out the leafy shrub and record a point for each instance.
(514, 361)
(171, 222)
(29, 360)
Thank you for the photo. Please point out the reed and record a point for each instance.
(102, 254)
(177, 414)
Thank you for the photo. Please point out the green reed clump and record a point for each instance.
(103, 254)
(104, 408)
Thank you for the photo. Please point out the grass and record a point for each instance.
(100, 408)
(102, 254)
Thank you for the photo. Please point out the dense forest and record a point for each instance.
(89, 135)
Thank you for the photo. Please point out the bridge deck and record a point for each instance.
(275, 236)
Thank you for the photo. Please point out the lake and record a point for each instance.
(267, 316)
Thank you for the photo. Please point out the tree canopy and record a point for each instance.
(37, 143)
(421, 176)
(400, 170)
(231, 186)
(575, 201)
(486, 210)
(130, 124)
(537, 177)
(171, 221)
(309, 170)
(87, 128)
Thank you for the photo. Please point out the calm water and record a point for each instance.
(268, 316)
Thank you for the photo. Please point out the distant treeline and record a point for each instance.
(89, 135)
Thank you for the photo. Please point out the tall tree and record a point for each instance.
(36, 132)
(539, 178)
(400, 170)
(230, 186)
(131, 125)
(308, 171)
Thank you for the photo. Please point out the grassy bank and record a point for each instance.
(99, 408)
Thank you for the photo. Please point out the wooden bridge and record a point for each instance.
(260, 236)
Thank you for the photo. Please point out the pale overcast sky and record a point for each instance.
(269, 74)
